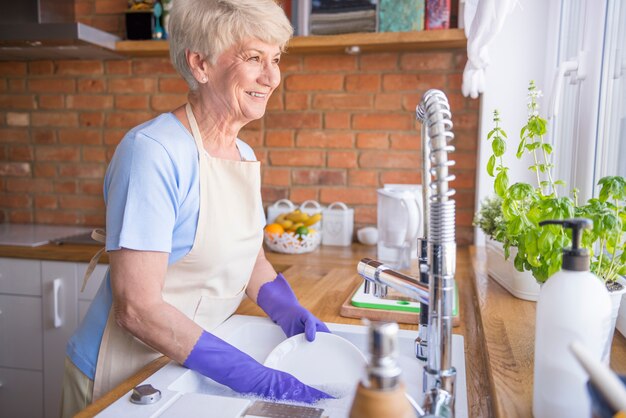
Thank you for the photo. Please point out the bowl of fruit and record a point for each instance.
(292, 233)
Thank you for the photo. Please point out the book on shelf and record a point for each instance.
(437, 14)
(400, 15)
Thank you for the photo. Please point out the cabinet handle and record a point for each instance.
(57, 284)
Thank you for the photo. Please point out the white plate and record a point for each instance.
(329, 361)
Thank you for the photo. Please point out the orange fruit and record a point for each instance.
(274, 229)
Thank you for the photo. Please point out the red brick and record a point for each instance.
(425, 61)
(46, 202)
(410, 82)
(319, 177)
(464, 198)
(152, 66)
(342, 159)
(324, 139)
(383, 121)
(57, 153)
(41, 67)
(279, 139)
(80, 202)
(255, 125)
(79, 67)
(302, 194)
(91, 187)
(91, 85)
(401, 177)
(108, 23)
(460, 59)
(365, 216)
(406, 141)
(111, 6)
(12, 68)
(465, 140)
(293, 121)
(82, 170)
(65, 186)
(18, 118)
(167, 102)
(380, 159)
(45, 169)
(464, 160)
(15, 200)
(363, 83)
(468, 121)
(132, 102)
(337, 120)
(313, 82)
(20, 216)
(14, 169)
(13, 135)
(21, 153)
(363, 178)
(95, 154)
(91, 119)
(51, 101)
(372, 140)
(52, 85)
(296, 158)
(272, 194)
(378, 62)
(464, 217)
(388, 101)
(44, 136)
(56, 217)
(114, 136)
(95, 219)
(3, 88)
(457, 102)
(118, 67)
(275, 102)
(325, 63)
(455, 81)
(276, 176)
(349, 196)
(17, 85)
(132, 85)
(411, 100)
(55, 119)
(290, 63)
(126, 119)
(296, 101)
(342, 101)
(83, 8)
(252, 138)
(89, 101)
(80, 136)
(29, 185)
(173, 85)
(17, 101)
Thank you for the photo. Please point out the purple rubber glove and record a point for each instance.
(224, 363)
(278, 301)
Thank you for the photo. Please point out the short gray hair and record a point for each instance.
(210, 27)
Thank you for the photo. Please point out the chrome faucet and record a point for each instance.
(439, 257)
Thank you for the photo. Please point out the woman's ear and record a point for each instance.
(197, 65)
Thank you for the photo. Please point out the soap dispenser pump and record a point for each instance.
(382, 394)
(573, 305)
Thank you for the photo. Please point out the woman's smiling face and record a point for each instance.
(244, 77)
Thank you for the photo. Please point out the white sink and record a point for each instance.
(189, 394)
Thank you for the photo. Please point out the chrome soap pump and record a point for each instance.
(573, 305)
(383, 394)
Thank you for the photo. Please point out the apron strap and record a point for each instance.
(100, 236)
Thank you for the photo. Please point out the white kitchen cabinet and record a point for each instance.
(40, 308)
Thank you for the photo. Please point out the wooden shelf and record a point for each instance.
(367, 42)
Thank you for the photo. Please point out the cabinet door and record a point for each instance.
(21, 394)
(20, 277)
(60, 319)
(20, 332)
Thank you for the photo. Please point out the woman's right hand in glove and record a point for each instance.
(224, 363)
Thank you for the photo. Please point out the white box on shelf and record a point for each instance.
(522, 285)
(338, 225)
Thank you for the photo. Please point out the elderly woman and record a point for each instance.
(185, 219)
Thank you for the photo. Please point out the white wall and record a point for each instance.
(517, 56)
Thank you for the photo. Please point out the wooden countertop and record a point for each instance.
(498, 328)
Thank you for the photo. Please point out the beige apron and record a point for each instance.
(207, 284)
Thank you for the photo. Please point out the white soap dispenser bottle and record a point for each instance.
(573, 305)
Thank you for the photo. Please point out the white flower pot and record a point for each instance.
(618, 317)
(522, 285)
(621, 316)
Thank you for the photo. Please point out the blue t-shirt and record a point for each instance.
(152, 195)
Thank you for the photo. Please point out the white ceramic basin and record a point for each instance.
(189, 394)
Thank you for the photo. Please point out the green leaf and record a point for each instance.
(498, 146)
(547, 148)
(520, 148)
(491, 133)
(490, 164)
(501, 183)
(559, 183)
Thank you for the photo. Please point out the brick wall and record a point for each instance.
(338, 128)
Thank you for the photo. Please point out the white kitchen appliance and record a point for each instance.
(399, 223)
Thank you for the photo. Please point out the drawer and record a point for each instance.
(94, 281)
(21, 332)
(20, 277)
(21, 394)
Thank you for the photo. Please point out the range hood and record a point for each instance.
(46, 29)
